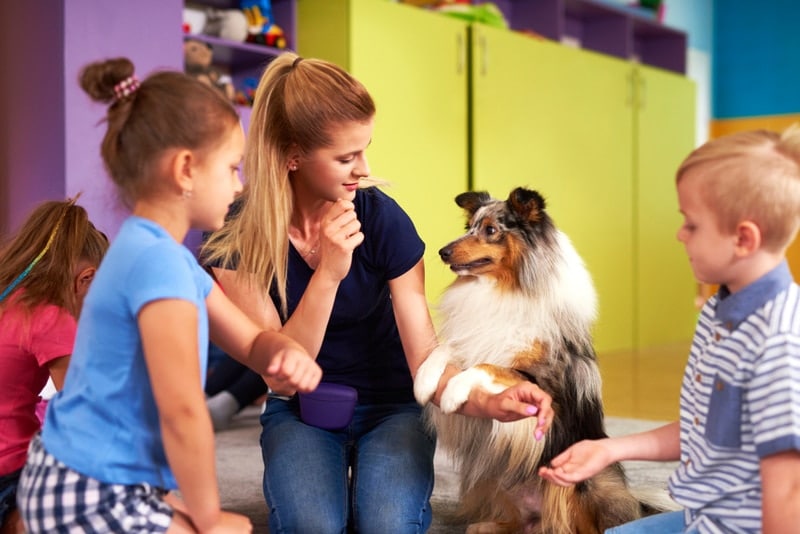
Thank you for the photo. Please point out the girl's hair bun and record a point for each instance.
(98, 79)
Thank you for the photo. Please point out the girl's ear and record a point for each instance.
(182, 170)
(83, 280)
(748, 238)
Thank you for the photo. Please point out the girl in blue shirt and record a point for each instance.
(338, 266)
(131, 422)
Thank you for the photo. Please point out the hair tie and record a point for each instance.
(297, 60)
(126, 87)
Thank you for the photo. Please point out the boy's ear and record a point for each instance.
(748, 238)
(182, 170)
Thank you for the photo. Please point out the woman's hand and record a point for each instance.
(340, 234)
(580, 461)
(522, 400)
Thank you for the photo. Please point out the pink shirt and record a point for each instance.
(25, 351)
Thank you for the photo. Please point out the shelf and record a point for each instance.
(235, 55)
(659, 46)
(601, 27)
(245, 61)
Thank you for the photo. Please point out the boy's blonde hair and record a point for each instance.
(751, 176)
(297, 103)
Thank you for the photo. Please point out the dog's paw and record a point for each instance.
(426, 382)
(458, 388)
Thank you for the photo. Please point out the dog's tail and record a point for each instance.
(590, 507)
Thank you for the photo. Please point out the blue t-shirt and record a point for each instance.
(104, 423)
(361, 347)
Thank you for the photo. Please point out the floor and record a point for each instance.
(643, 384)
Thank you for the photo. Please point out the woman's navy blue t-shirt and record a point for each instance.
(361, 347)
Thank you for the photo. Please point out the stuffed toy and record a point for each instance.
(226, 23)
(197, 57)
(261, 27)
(230, 24)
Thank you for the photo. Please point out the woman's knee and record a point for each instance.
(316, 521)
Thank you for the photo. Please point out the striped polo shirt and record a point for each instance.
(740, 402)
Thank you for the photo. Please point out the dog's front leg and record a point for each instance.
(459, 387)
(426, 382)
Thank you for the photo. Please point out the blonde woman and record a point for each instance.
(338, 267)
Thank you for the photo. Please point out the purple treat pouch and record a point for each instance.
(330, 406)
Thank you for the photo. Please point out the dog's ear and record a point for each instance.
(472, 200)
(529, 205)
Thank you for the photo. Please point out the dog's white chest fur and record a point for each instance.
(482, 325)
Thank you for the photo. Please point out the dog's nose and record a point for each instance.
(445, 252)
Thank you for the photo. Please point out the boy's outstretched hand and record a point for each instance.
(580, 461)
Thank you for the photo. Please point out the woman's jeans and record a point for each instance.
(373, 476)
(666, 523)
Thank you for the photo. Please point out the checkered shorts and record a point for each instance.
(54, 498)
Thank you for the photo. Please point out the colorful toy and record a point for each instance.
(261, 27)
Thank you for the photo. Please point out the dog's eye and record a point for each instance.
(490, 230)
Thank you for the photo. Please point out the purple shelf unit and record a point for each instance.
(600, 27)
(248, 60)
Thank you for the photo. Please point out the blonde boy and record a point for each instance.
(738, 437)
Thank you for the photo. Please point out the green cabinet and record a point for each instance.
(473, 107)
(664, 136)
(414, 65)
(559, 120)
(600, 138)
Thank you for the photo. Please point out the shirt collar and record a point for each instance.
(734, 308)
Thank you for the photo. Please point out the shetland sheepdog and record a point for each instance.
(521, 308)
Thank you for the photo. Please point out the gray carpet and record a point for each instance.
(239, 469)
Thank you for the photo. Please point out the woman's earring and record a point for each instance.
(187, 194)
(293, 167)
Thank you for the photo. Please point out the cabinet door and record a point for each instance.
(664, 137)
(413, 63)
(559, 120)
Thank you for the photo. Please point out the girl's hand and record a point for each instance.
(278, 386)
(227, 522)
(294, 368)
(231, 523)
(581, 461)
(340, 234)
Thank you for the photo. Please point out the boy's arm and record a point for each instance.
(587, 458)
(780, 487)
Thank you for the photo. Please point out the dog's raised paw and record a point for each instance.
(426, 382)
(458, 388)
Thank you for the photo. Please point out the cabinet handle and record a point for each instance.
(642, 93)
(629, 99)
(484, 46)
(461, 53)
